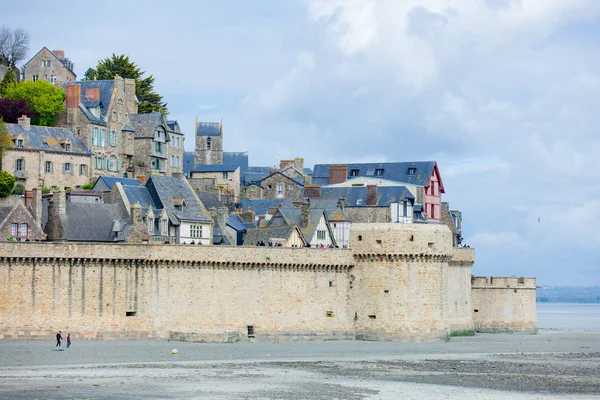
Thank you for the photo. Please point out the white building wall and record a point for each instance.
(341, 233)
(322, 226)
(185, 236)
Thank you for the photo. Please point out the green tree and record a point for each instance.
(8, 81)
(149, 100)
(7, 181)
(44, 99)
(5, 140)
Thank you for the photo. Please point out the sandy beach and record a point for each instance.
(549, 365)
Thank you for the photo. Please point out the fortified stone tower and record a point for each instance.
(401, 285)
(209, 143)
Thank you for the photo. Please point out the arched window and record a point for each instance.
(208, 140)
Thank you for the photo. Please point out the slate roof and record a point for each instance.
(145, 124)
(140, 195)
(128, 128)
(394, 171)
(307, 171)
(209, 199)
(162, 190)
(219, 238)
(237, 158)
(102, 217)
(356, 196)
(261, 207)
(208, 129)
(255, 174)
(45, 138)
(238, 224)
(188, 162)
(293, 216)
(255, 235)
(215, 168)
(299, 181)
(4, 211)
(173, 126)
(106, 91)
(110, 181)
(332, 209)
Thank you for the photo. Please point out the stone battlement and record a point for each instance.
(502, 282)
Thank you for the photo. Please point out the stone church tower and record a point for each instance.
(209, 143)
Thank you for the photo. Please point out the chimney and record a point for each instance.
(338, 173)
(299, 164)
(73, 95)
(136, 214)
(25, 122)
(36, 204)
(59, 53)
(285, 163)
(92, 93)
(60, 202)
(130, 99)
(372, 195)
(141, 178)
(305, 212)
(28, 197)
(312, 191)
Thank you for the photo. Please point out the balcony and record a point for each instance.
(20, 174)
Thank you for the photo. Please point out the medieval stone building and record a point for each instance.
(209, 143)
(51, 66)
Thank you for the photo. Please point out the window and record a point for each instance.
(196, 231)
(432, 211)
(280, 189)
(405, 208)
(353, 172)
(98, 163)
(112, 163)
(163, 227)
(208, 140)
(34, 77)
(412, 171)
(379, 172)
(158, 165)
(67, 146)
(20, 164)
(359, 202)
(48, 167)
(83, 170)
(24, 230)
(150, 226)
(67, 168)
(158, 147)
(269, 187)
(321, 235)
(46, 63)
(290, 187)
(370, 172)
(20, 143)
(225, 175)
(53, 79)
(14, 229)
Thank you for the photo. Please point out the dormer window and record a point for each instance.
(20, 143)
(353, 172)
(67, 146)
(359, 202)
(379, 172)
(370, 172)
(208, 140)
(412, 171)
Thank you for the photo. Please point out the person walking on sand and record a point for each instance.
(68, 340)
(58, 339)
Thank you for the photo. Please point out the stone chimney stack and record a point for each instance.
(372, 195)
(139, 231)
(60, 201)
(24, 122)
(73, 96)
(36, 204)
(92, 93)
(56, 208)
(59, 53)
(131, 101)
(338, 173)
(305, 210)
(299, 164)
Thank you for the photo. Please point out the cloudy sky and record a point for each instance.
(503, 94)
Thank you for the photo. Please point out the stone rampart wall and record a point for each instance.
(504, 304)
(181, 292)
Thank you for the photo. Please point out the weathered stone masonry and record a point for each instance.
(399, 282)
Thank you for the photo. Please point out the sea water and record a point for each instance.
(569, 316)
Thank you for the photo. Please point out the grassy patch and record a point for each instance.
(462, 333)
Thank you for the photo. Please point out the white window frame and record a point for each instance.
(24, 231)
(67, 168)
(196, 231)
(48, 167)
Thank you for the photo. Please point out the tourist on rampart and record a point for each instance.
(68, 340)
(58, 339)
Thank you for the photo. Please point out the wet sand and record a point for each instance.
(549, 365)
